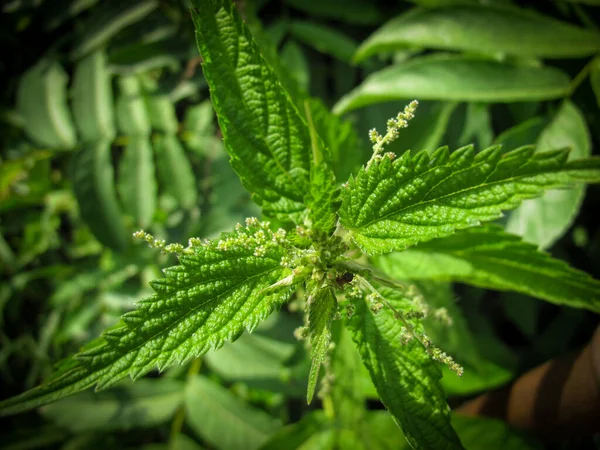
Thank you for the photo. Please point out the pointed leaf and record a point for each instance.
(482, 29)
(490, 258)
(94, 187)
(224, 420)
(175, 171)
(212, 297)
(42, 103)
(544, 220)
(265, 136)
(137, 180)
(405, 377)
(457, 78)
(93, 99)
(391, 205)
(322, 306)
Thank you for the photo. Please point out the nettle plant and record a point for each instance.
(323, 243)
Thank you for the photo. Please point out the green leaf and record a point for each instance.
(481, 432)
(42, 103)
(524, 133)
(312, 432)
(595, 78)
(265, 136)
(324, 39)
(405, 377)
(347, 390)
(457, 78)
(107, 22)
(175, 171)
(490, 258)
(147, 403)
(478, 125)
(484, 29)
(360, 12)
(132, 112)
(212, 297)
(544, 220)
(94, 187)
(64, 10)
(93, 99)
(137, 180)
(224, 420)
(161, 109)
(322, 306)
(342, 147)
(139, 58)
(393, 204)
(293, 58)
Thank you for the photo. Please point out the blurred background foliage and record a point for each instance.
(107, 127)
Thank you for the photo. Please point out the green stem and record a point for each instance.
(582, 75)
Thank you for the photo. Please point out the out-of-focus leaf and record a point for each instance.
(490, 434)
(94, 187)
(161, 109)
(360, 12)
(42, 102)
(142, 57)
(324, 39)
(312, 432)
(544, 220)
(175, 171)
(147, 403)
(132, 113)
(93, 99)
(277, 31)
(64, 10)
(478, 125)
(293, 58)
(595, 77)
(457, 78)
(485, 29)
(107, 22)
(137, 180)
(523, 133)
(224, 420)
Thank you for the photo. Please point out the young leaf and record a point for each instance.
(406, 378)
(216, 293)
(137, 180)
(265, 136)
(457, 78)
(322, 306)
(42, 102)
(544, 220)
(393, 204)
(224, 420)
(482, 29)
(490, 258)
(93, 99)
(94, 187)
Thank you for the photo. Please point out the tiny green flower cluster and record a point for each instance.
(393, 130)
(255, 235)
(161, 244)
